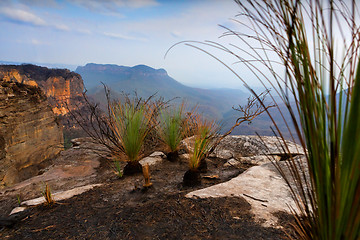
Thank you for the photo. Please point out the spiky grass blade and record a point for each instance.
(327, 189)
(348, 198)
(131, 122)
(205, 134)
(172, 127)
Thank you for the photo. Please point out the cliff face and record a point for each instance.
(61, 86)
(29, 131)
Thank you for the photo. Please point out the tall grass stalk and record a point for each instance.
(308, 53)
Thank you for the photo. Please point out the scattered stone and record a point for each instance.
(151, 160)
(184, 157)
(17, 210)
(75, 143)
(158, 154)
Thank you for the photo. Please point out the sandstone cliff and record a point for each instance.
(29, 131)
(61, 86)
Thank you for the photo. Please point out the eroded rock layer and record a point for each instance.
(61, 86)
(29, 131)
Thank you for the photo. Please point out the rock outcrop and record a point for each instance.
(246, 146)
(29, 131)
(262, 186)
(61, 86)
(251, 149)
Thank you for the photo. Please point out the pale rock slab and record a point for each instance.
(262, 186)
(61, 195)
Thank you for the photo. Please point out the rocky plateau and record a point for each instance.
(81, 166)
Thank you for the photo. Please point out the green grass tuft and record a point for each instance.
(131, 122)
(172, 127)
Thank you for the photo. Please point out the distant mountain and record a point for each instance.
(214, 103)
(146, 81)
(48, 65)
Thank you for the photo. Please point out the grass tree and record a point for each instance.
(172, 129)
(206, 132)
(308, 53)
(122, 130)
(130, 122)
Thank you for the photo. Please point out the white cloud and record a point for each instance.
(22, 16)
(61, 27)
(42, 3)
(123, 37)
(37, 42)
(198, 22)
(32, 41)
(106, 6)
(140, 3)
(176, 34)
(84, 31)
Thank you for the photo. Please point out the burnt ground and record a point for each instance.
(123, 209)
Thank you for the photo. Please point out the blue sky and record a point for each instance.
(123, 32)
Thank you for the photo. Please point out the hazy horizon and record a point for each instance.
(122, 32)
(73, 68)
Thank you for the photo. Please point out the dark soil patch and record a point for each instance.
(132, 168)
(122, 209)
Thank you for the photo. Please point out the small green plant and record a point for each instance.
(172, 129)
(49, 201)
(118, 169)
(18, 199)
(67, 142)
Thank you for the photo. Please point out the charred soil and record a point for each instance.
(123, 209)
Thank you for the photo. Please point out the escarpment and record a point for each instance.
(61, 86)
(29, 131)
